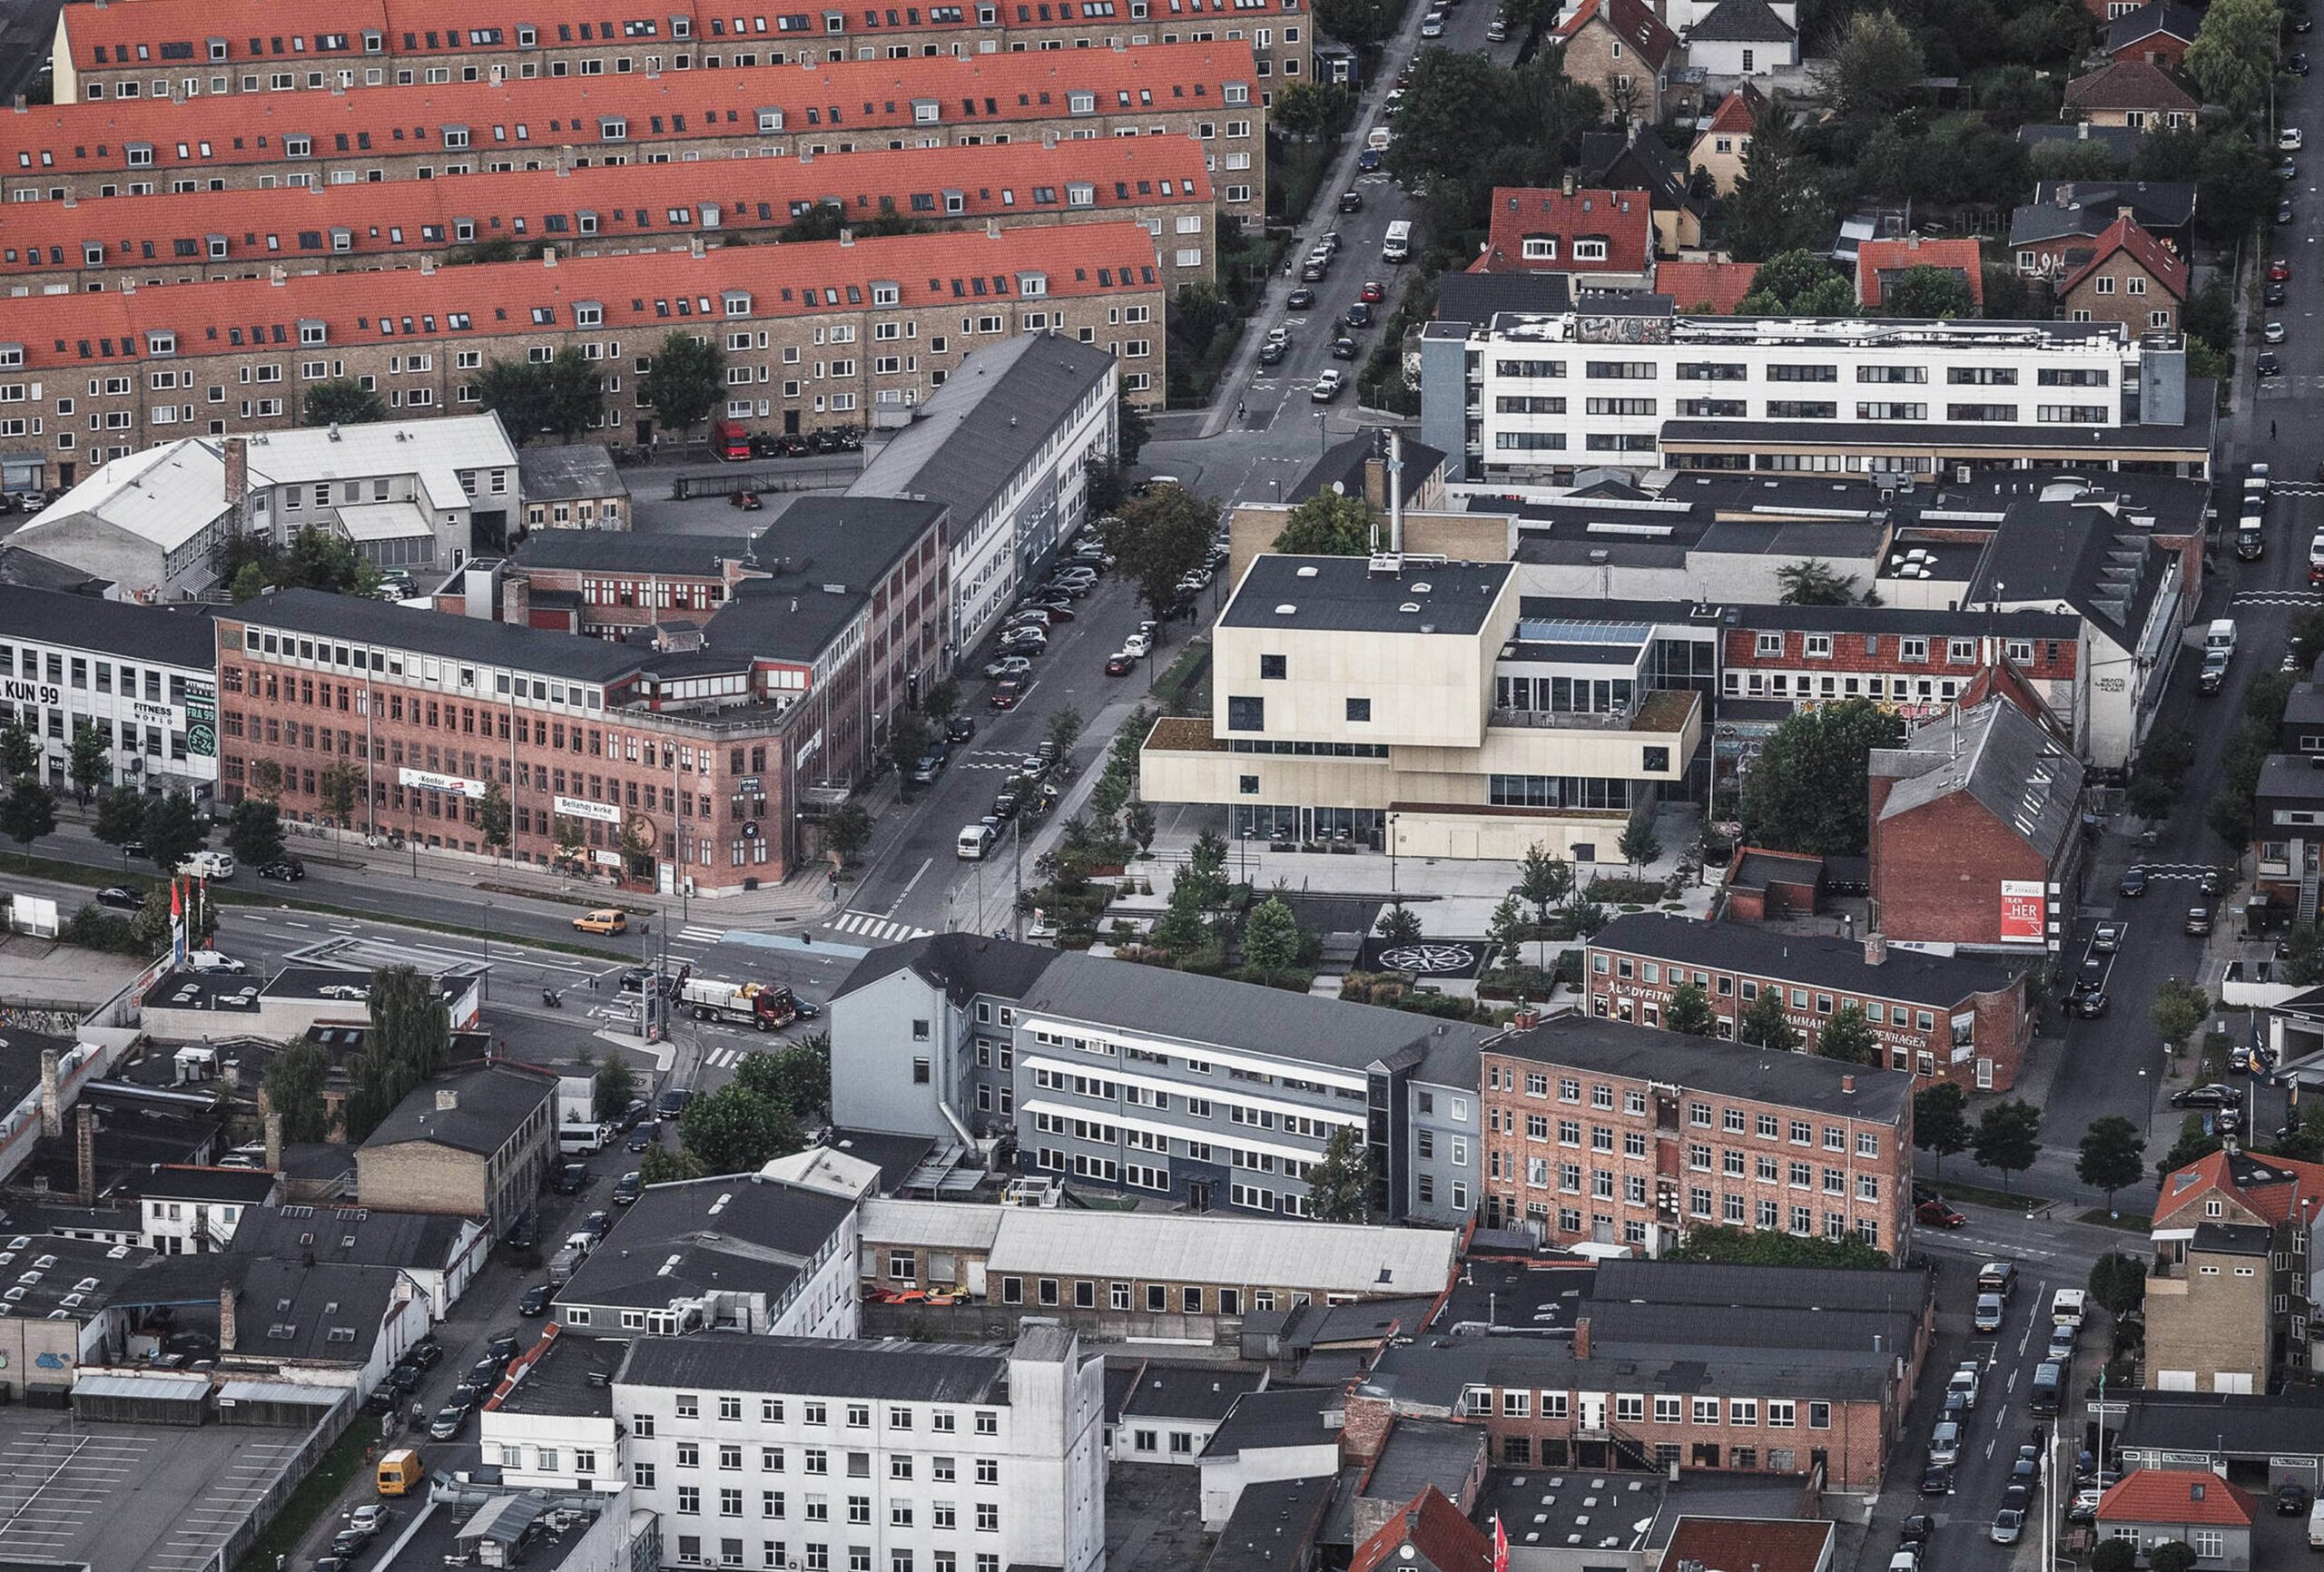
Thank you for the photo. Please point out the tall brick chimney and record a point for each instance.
(52, 1112)
(238, 471)
(1582, 1338)
(84, 1155)
(225, 1318)
(274, 1142)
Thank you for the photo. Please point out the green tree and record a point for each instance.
(847, 829)
(1805, 793)
(1928, 292)
(669, 1166)
(614, 1087)
(1508, 928)
(2179, 1009)
(1797, 283)
(151, 923)
(1157, 538)
(120, 816)
(494, 818)
(736, 1130)
(173, 831)
(909, 740)
(341, 783)
(1544, 878)
(1309, 109)
(1815, 582)
(249, 583)
(1779, 204)
(341, 401)
(1357, 22)
(519, 392)
(1132, 431)
(27, 813)
(1847, 1036)
(89, 765)
(1765, 1024)
(1690, 1014)
(2114, 1154)
(1941, 1121)
(254, 832)
(19, 752)
(2113, 1556)
(1339, 1185)
(2305, 1140)
(410, 1040)
(1765, 1247)
(2170, 1555)
(295, 1077)
(1399, 924)
(1638, 844)
(2008, 1138)
(685, 382)
(2233, 60)
(1271, 937)
(1329, 523)
(796, 1078)
(1876, 70)
(1137, 822)
(1064, 730)
(940, 700)
(2118, 1282)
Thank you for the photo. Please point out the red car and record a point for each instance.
(1004, 696)
(1372, 291)
(2279, 270)
(1937, 1214)
(1119, 665)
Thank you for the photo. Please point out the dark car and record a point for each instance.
(2198, 919)
(1359, 315)
(1916, 1530)
(2089, 1007)
(449, 1422)
(526, 1234)
(1937, 1214)
(597, 1224)
(1023, 643)
(2292, 1500)
(2213, 1096)
(1300, 300)
(748, 501)
(2134, 881)
(2214, 882)
(1344, 349)
(536, 1299)
(1351, 202)
(348, 1541)
(960, 729)
(1368, 160)
(2275, 294)
(2089, 980)
(642, 1138)
(120, 898)
(2283, 212)
(484, 1375)
(504, 1346)
(628, 1188)
(1271, 353)
(572, 1178)
(1936, 1479)
(634, 1114)
(425, 1354)
(1120, 664)
(2270, 364)
(672, 1103)
(290, 870)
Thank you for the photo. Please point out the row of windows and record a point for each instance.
(1775, 1414)
(1909, 647)
(1877, 1012)
(728, 1408)
(1527, 368)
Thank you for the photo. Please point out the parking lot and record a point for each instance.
(128, 1495)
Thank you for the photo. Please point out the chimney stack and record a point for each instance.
(1582, 1338)
(225, 1318)
(274, 1143)
(238, 471)
(1848, 1086)
(1875, 948)
(84, 1153)
(52, 1112)
(448, 1099)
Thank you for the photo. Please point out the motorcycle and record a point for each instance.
(552, 998)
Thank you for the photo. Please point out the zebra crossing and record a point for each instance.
(698, 934)
(873, 926)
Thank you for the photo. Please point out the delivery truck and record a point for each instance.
(744, 1003)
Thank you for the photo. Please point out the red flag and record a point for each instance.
(1500, 1545)
(177, 908)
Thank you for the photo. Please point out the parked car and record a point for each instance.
(1368, 160)
(289, 869)
(536, 1299)
(2108, 938)
(1945, 1444)
(449, 1421)
(1936, 1479)
(1345, 348)
(2273, 332)
(960, 729)
(1300, 300)
(120, 898)
(1351, 202)
(628, 1188)
(572, 1178)
(2270, 364)
(210, 960)
(1359, 315)
(1965, 1380)
(1005, 694)
(2090, 1005)
(2009, 1526)
(1009, 666)
(2213, 1096)
(1271, 352)
(1937, 1214)
(1916, 1530)
(2292, 1500)
(1997, 1277)
(2198, 919)
(1327, 386)
(1120, 664)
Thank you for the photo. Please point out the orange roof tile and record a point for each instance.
(1624, 220)
(1874, 258)
(1738, 111)
(177, 34)
(2131, 84)
(659, 203)
(1747, 1543)
(653, 291)
(2126, 234)
(1719, 285)
(1438, 1536)
(823, 101)
(2175, 1496)
(2265, 1185)
(1632, 21)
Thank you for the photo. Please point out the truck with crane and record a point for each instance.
(765, 1006)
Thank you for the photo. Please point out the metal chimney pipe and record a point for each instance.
(1395, 491)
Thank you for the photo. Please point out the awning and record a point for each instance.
(143, 1388)
(369, 521)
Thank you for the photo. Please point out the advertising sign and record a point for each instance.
(2023, 915)
(581, 808)
(430, 781)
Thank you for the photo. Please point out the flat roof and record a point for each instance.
(733, 1233)
(1916, 976)
(1348, 594)
(1704, 1065)
(890, 1369)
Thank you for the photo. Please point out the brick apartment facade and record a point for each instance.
(1938, 1016)
(1915, 660)
(612, 209)
(1615, 1134)
(814, 335)
(2129, 277)
(1206, 91)
(163, 49)
(1621, 48)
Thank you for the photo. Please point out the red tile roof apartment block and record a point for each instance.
(1697, 286)
(612, 209)
(1941, 1017)
(822, 332)
(195, 48)
(1204, 90)
(1877, 262)
(1594, 232)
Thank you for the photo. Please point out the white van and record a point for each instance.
(2066, 1306)
(209, 865)
(2316, 1526)
(976, 840)
(2220, 636)
(1397, 246)
(1378, 139)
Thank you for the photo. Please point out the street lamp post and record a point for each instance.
(1391, 854)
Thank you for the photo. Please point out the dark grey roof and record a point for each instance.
(2155, 16)
(1620, 1329)
(2121, 141)
(1810, 960)
(1741, 22)
(1638, 161)
(823, 559)
(1273, 1525)
(240, 1186)
(492, 1101)
(1342, 464)
(2233, 1239)
(1721, 1284)
(735, 1233)
(2089, 557)
(2065, 209)
(30, 569)
(1421, 1452)
(20, 1061)
(2002, 758)
(1177, 1392)
(1706, 1064)
(1344, 594)
(359, 1233)
(1225, 1013)
(1431, 1373)
(360, 620)
(325, 1310)
(1476, 299)
(564, 1375)
(963, 964)
(1278, 1417)
(2304, 706)
(2289, 778)
(1950, 435)
(1757, 870)
(927, 1373)
(989, 420)
(624, 551)
(119, 628)
(2289, 1422)
(567, 472)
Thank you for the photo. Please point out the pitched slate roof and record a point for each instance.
(1742, 22)
(926, 1372)
(2132, 84)
(2124, 235)
(491, 1100)
(1997, 754)
(1837, 964)
(2157, 17)
(2177, 1496)
(1879, 261)
(1748, 1544)
(175, 638)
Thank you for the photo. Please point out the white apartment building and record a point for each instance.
(833, 1455)
(1626, 382)
(143, 677)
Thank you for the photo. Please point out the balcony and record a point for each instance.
(1665, 710)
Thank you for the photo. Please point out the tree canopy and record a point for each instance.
(1329, 523)
(1158, 538)
(1806, 792)
(685, 382)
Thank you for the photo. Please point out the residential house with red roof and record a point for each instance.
(2193, 1506)
(208, 48)
(1601, 238)
(1879, 263)
(1621, 48)
(1725, 139)
(1206, 91)
(1699, 289)
(2135, 93)
(609, 210)
(1428, 1534)
(814, 334)
(2157, 33)
(2128, 276)
(1749, 1545)
(2210, 1211)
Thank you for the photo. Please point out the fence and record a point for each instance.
(269, 1503)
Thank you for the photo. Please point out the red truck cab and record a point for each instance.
(729, 441)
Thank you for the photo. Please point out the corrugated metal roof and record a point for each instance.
(157, 1387)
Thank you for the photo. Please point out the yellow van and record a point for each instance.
(400, 1472)
(606, 919)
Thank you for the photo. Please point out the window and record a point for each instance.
(1246, 714)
